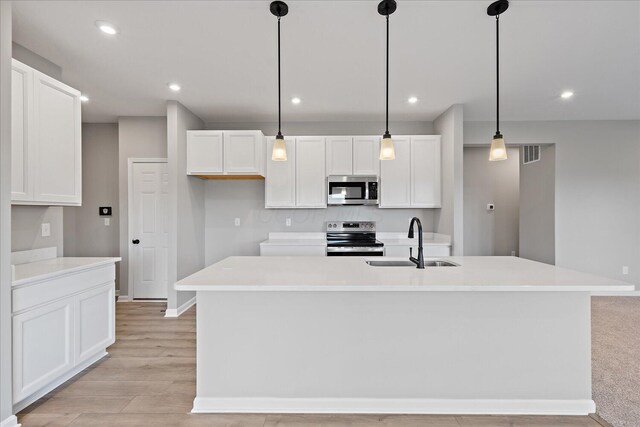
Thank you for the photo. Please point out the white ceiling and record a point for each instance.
(223, 53)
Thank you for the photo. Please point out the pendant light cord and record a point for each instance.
(497, 75)
(279, 90)
(387, 113)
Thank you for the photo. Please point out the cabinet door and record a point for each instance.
(94, 322)
(204, 152)
(366, 155)
(339, 155)
(280, 183)
(42, 346)
(243, 152)
(399, 251)
(57, 136)
(395, 176)
(21, 118)
(311, 180)
(425, 171)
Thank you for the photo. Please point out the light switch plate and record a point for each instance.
(46, 229)
(288, 222)
(107, 222)
(237, 222)
(625, 269)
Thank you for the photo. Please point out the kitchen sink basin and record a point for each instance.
(396, 263)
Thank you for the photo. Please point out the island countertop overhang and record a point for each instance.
(352, 274)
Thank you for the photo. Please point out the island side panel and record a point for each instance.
(516, 346)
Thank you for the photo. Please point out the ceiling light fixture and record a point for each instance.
(174, 87)
(279, 153)
(107, 28)
(412, 100)
(566, 94)
(387, 151)
(296, 100)
(84, 98)
(498, 150)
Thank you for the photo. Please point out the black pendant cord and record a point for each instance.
(497, 75)
(279, 89)
(387, 106)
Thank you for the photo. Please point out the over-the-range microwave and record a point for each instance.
(352, 190)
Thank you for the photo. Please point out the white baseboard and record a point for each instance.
(616, 294)
(176, 312)
(393, 406)
(123, 298)
(57, 382)
(12, 421)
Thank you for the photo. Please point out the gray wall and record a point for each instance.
(36, 61)
(186, 201)
(6, 400)
(450, 219)
(597, 189)
(227, 200)
(141, 137)
(490, 233)
(84, 231)
(26, 227)
(537, 207)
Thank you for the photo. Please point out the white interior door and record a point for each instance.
(149, 230)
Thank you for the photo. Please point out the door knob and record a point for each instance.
(135, 241)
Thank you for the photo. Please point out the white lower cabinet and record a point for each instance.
(61, 326)
(292, 250)
(400, 251)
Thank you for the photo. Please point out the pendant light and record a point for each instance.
(279, 153)
(387, 151)
(498, 150)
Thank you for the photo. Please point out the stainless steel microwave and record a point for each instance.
(352, 190)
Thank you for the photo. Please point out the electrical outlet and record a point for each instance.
(625, 269)
(288, 222)
(237, 222)
(513, 253)
(46, 229)
(107, 222)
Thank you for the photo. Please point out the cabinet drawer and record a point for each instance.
(34, 294)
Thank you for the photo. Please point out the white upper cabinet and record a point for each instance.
(280, 183)
(425, 172)
(243, 152)
(339, 155)
(204, 152)
(395, 176)
(21, 118)
(366, 155)
(47, 140)
(211, 153)
(310, 172)
(413, 179)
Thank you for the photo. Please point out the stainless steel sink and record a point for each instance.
(396, 263)
(390, 263)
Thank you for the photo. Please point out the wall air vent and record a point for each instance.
(530, 154)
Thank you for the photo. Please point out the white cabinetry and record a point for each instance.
(413, 179)
(311, 184)
(347, 155)
(300, 181)
(211, 153)
(60, 326)
(402, 251)
(47, 164)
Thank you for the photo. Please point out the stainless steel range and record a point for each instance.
(353, 238)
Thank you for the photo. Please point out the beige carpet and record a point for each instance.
(616, 359)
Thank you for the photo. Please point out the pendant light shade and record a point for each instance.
(279, 153)
(387, 150)
(498, 150)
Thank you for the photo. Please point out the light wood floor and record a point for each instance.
(149, 380)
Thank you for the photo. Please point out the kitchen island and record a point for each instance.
(493, 335)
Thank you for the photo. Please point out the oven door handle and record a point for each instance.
(354, 249)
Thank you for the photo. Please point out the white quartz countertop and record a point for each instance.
(353, 274)
(50, 268)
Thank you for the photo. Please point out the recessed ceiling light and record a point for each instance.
(566, 94)
(412, 100)
(84, 98)
(107, 28)
(174, 87)
(296, 100)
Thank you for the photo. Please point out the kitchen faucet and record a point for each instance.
(419, 262)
